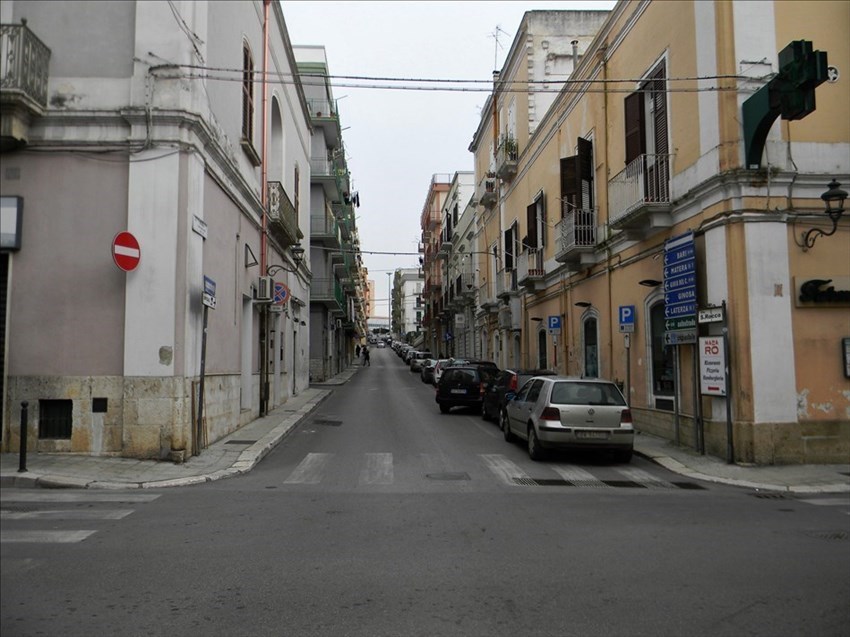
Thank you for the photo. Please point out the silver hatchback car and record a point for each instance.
(569, 413)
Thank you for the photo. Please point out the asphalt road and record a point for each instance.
(381, 516)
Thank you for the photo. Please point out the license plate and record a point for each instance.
(592, 435)
(458, 391)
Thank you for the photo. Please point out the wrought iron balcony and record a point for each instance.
(506, 283)
(507, 156)
(283, 218)
(639, 196)
(576, 235)
(530, 269)
(24, 61)
(486, 193)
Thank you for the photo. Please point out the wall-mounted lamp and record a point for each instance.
(582, 304)
(297, 256)
(649, 283)
(536, 319)
(833, 199)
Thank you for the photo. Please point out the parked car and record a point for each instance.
(439, 366)
(570, 413)
(427, 371)
(455, 362)
(417, 358)
(463, 386)
(505, 386)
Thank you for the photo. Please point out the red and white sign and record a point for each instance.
(125, 251)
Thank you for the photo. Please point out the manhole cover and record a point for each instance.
(448, 476)
(240, 442)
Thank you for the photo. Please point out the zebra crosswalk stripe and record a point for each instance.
(379, 469)
(53, 495)
(44, 537)
(579, 477)
(646, 478)
(71, 514)
(310, 470)
(506, 470)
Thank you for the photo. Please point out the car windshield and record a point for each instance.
(579, 393)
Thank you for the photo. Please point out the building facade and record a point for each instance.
(175, 132)
(650, 226)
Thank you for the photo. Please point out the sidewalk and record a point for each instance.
(239, 452)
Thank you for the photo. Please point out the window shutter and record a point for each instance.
(569, 183)
(585, 173)
(659, 100)
(542, 214)
(508, 249)
(531, 225)
(635, 145)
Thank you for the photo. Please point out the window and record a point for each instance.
(663, 379)
(510, 236)
(536, 223)
(590, 346)
(577, 179)
(247, 94)
(541, 350)
(646, 133)
(54, 419)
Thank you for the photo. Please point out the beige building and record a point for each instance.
(650, 228)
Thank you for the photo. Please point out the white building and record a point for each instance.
(152, 118)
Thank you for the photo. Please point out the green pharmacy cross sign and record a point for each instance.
(790, 94)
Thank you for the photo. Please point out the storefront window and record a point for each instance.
(663, 380)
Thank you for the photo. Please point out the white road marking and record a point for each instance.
(645, 478)
(87, 514)
(53, 495)
(578, 476)
(379, 469)
(44, 537)
(310, 470)
(503, 468)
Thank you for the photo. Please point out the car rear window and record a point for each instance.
(578, 393)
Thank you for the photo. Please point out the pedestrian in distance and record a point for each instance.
(366, 356)
(357, 351)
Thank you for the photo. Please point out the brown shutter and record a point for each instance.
(585, 173)
(509, 249)
(635, 145)
(659, 99)
(531, 225)
(569, 183)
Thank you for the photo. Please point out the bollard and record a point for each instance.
(22, 464)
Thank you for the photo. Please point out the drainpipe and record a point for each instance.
(575, 54)
(264, 187)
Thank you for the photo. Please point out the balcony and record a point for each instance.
(331, 174)
(343, 214)
(506, 284)
(489, 302)
(324, 230)
(24, 63)
(530, 269)
(324, 115)
(328, 292)
(486, 193)
(283, 219)
(576, 236)
(507, 157)
(639, 196)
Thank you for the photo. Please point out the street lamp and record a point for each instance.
(834, 201)
(297, 256)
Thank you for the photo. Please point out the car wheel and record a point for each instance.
(506, 428)
(535, 451)
(444, 409)
(623, 455)
(484, 415)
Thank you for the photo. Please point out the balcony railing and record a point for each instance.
(24, 61)
(486, 191)
(487, 297)
(530, 267)
(329, 292)
(506, 283)
(325, 229)
(642, 187)
(576, 233)
(321, 108)
(507, 155)
(283, 218)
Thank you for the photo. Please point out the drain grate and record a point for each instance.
(828, 535)
(689, 485)
(328, 422)
(240, 442)
(448, 476)
(771, 495)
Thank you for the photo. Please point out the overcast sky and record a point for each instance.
(396, 140)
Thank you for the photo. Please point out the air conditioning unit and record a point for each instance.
(264, 289)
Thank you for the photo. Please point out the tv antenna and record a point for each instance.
(495, 35)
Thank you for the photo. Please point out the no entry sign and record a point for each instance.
(125, 251)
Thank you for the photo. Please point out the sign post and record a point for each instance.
(208, 300)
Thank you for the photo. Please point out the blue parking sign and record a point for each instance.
(554, 323)
(627, 318)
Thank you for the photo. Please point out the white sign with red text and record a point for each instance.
(712, 366)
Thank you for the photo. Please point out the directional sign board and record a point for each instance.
(627, 318)
(125, 251)
(712, 364)
(554, 324)
(680, 290)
